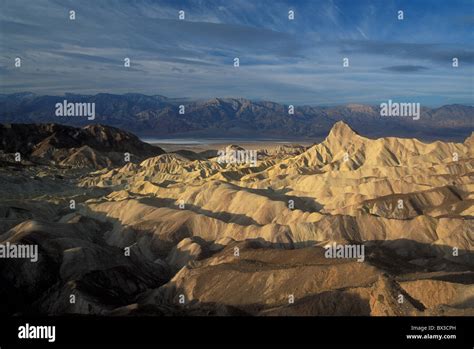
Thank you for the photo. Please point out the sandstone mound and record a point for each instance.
(93, 146)
(210, 237)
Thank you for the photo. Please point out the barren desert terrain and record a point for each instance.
(182, 233)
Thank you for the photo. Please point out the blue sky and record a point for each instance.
(294, 62)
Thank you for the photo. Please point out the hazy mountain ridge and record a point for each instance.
(236, 117)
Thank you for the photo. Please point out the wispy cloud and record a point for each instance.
(405, 68)
(296, 61)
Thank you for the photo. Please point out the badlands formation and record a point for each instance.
(184, 234)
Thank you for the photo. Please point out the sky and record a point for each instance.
(296, 61)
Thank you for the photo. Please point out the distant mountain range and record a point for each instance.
(158, 116)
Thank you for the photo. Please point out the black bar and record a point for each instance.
(360, 331)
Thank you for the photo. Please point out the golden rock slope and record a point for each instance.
(235, 239)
